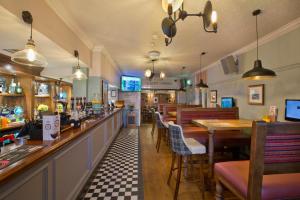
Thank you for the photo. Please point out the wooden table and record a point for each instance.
(213, 125)
(173, 114)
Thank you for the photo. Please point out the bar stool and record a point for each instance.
(161, 129)
(184, 147)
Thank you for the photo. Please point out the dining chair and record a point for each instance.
(184, 147)
(273, 171)
(161, 129)
(153, 121)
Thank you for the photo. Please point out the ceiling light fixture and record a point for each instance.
(172, 7)
(29, 56)
(162, 75)
(153, 55)
(78, 74)
(148, 73)
(201, 84)
(258, 72)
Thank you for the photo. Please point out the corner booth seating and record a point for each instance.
(222, 138)
(273, 171)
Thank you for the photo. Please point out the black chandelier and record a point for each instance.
(175, 10)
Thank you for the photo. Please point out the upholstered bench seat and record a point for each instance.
(275, 186)
(198, 133)
(169, 118)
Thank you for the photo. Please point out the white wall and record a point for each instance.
(281, 55)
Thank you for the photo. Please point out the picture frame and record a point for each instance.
(213, 96)
(256, 94)
(113, 93)
(155, 100)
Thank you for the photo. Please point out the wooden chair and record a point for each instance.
(153, 121)
(184, 147)
(161, 129)
(273, 171)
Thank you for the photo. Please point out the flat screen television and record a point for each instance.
(292, 109)
(227, 102)
(131, 84)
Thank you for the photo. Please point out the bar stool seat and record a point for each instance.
(194, 146)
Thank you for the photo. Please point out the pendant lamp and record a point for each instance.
(78, 74)
(29, 56)
(201, 84)
(258, 72)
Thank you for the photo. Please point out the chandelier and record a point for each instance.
(153, 56)
(175, 10)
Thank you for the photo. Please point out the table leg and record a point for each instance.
(211, 149)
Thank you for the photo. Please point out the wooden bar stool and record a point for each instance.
(184, 147)
(161, 129)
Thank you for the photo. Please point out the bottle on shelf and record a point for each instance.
(19, 89)
(12, 87)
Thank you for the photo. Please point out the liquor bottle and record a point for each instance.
(19, 89)
(12, 87)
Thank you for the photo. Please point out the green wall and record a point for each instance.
(283, 56)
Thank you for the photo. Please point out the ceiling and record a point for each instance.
(12, 36)
(126, 28)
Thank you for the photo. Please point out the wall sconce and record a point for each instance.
(168, 25)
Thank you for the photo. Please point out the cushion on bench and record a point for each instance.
(275, 186)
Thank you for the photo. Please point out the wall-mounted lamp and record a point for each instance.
(172, 7)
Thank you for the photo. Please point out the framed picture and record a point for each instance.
(113, 93)
(155, 100)
(213, 96)
(256, 94)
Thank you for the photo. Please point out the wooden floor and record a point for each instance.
(156, 167)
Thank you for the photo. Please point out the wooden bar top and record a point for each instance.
(11, 126)
(51, 146)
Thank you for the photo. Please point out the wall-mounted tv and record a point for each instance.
(131, 84)
(292, 109)
(227, 102)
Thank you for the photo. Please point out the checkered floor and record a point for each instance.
(118, 176)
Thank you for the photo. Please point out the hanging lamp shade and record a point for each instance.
(29, 55)
(148, 73)
(79, 73)
(176, 4)
(162, 75)
(258, 72)
(201, 84)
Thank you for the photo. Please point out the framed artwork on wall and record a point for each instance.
(213, 96)
(113, 93)
(256, 94)
(155, 100)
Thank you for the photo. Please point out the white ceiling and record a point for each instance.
(125, 29)
(12, 36)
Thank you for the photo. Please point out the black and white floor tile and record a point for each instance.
(118, 176)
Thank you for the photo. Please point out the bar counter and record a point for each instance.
(60, 169)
